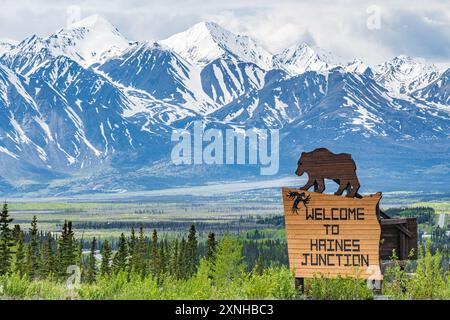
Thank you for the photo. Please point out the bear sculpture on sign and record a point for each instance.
(322, 164)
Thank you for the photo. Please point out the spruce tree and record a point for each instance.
(162, 259)
(166, 255)
(139, 253)
(92, 267)
(105, 267)
(19, 263)
(259, 266)
(71, 245)
(182, 260)
(154, 257)
(192, 252)
(121, 256)
(6, 240)
(33, 250)
(173, 264)
(66, 249)
(17, 232)
(48, 260)
(132, 250)
(211, 247)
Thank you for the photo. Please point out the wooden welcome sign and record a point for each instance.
(330, 235)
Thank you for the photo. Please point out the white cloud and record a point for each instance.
(417, 28)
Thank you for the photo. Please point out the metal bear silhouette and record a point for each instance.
(322, 164)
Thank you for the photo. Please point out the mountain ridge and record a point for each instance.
(75, 115)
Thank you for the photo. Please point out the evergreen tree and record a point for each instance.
(71, 246)
(17, 233)
(139, 253)
(162, 259)
(33, 250)
(154, 259)
(173, 264)
(19, 263)
(132, 250)
(166, 255)
(92, 267)
(211, 247)
(105, 267)
(192, 252)
(182, 260)
(259, 266)
(66, 249)
(47, 266)
(121, 256)
(60, 266)
(6, 240)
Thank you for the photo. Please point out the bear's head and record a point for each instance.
(304, 163)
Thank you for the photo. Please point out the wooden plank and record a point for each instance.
(353, 219)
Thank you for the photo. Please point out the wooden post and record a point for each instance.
(300, 285)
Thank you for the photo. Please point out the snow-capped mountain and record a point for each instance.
(88, 41)
(302, 58)
(85, 109)
(404, 74)
(438, 91)
(6, 45)
(207, 41)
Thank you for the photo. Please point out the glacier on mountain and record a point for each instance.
(86, 109)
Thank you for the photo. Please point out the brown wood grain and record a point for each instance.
(300, 232)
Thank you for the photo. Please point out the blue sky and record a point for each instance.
(372, 31)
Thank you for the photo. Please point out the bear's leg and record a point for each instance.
(354, 187)
(321, 185)
(342, 186)
(308, 185)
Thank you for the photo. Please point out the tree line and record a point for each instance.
(43, 255)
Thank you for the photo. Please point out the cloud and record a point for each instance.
(417, 28)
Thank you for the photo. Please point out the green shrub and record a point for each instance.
(428, 281)
(273, 283)
(340, 288)
(14, 286)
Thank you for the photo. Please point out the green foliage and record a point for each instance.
(156, 268)
(120, 259)
(340, 288)
(6, 240)
(33, 250)
(429, 281)
(423, 214)
(19, 262)
(20, 287)
(92, 264)
(272, 283)
(191, 252)
(66, 249)
(47, 259)
(229, 266)
(105, 266)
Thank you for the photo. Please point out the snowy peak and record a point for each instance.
(207, 41)
(6, 45)
(301, 58)
(404, 74)
(94, 22)
(88, 41)
(438, 91)
(356, 66)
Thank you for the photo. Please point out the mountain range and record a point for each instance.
(86, 110)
